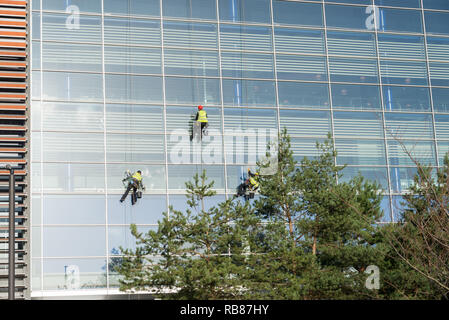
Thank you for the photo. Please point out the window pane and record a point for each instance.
(360, 152)
(408, 126)
(306, 123)
(421, 151)
(245, 118)
(36, 26)
(190, 35)
(73, 86)
(402, 178)
(406, 98)
(400, 20)
(357, 97)
(134, 148)
(148, 210)
(443, 149)
(403, 72)
(247, 65)
(295, 67)
(401, 47)
(153, 177)
(132, 7)
(303, 95)
(399, 3)
(73, 147)
(436, 4)
(249, 93)
(296, 13)
(178, 175)
(192, 91)
(349, 17)
(59, 27)
(71, 57)
(245, 10)
(191, 62)
(120, 236)
(196, 9)
(358, 124)
(56, 116)
(378, 175)
(74, 274)
(353, 70)
(81, 5)
(132, 32)
(132, 59)
(78, 209)
(439, 73)
(304, 147)
(247, 38)
(440, 99)
(442, 126)
(73, 178)
(350, 1)
(134, 118)
(438, 48)
(351, 44)
(436, 22)
(129, 88)
(299, 41)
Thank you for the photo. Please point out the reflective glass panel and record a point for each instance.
(403, 72)
(400, 20)
(132, 32)
(191, 62)
(73, 6)
(353, 70)
(193, 9)
(134, 148)
(192, 91)
(249, 93)
(358, 124)
(63, 27)
(73, 177)
(401, 47)
(306, 123)
(408, 126)
(130, 88)
(190, 35)
(440, 99)
(71, 57)
(297, 13)
(132, 59)
(303, 95)
(406, 98)
(78, 209)
(245, 10)
(357, 97)
(73, 86)
(436, 22)
(132, 7)
(360, 152)
(351, 44)
(299, 41)
(402, 152)
(299, 67)
(148, 210)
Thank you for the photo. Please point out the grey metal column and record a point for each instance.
(12, 236)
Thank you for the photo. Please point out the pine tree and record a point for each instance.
(197, 254)
(316, 228)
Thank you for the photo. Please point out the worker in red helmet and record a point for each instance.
(201, 118)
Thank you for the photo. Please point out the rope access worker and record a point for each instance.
(201, 119)
(251, 184)
(253, 180)
(135, 183)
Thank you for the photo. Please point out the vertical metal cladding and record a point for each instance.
(14, 114)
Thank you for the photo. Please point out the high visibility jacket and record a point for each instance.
(202, 116)
(253, 182)
(137, 176)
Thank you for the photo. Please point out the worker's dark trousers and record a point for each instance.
(134, 194)
(204, 126)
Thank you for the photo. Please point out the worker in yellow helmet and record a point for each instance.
(253, 180)
(135, 183)
(201, 119)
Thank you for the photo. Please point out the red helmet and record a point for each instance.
(200, 107)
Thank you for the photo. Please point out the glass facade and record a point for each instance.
(115, 83)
